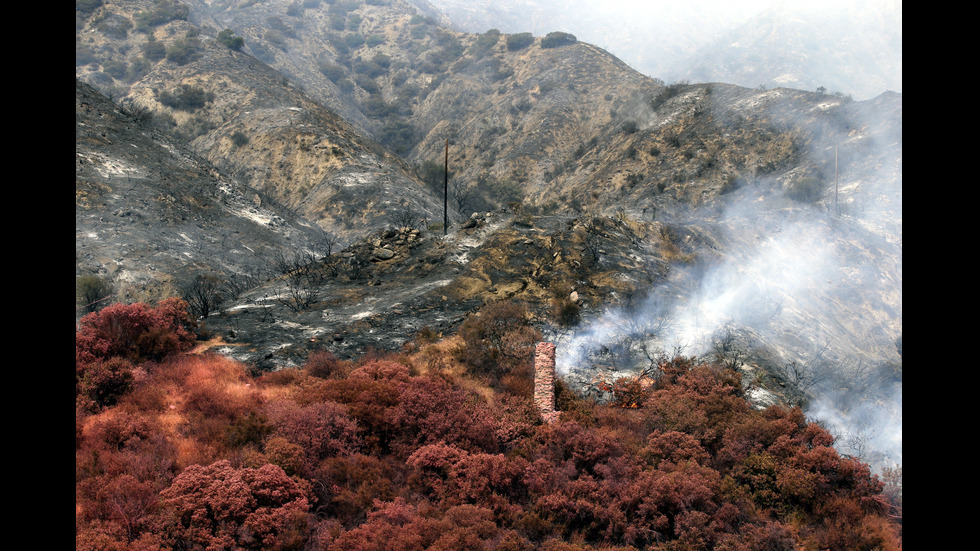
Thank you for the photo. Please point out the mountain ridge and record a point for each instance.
(849, 49)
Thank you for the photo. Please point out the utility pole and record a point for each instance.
(445, 195)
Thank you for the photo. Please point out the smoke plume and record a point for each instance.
(791, 293)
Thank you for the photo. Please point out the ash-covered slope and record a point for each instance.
(549, 122)
(150, 215)
(246, 118)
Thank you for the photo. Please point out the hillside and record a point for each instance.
(528, 120)
(151, 215)
(249, 121)
(291, 152)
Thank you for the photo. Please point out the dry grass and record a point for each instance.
(441, 358)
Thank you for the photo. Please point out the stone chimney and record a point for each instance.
(544, 381)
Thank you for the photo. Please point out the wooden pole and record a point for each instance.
(445, 195)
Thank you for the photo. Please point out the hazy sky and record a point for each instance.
(846, 46)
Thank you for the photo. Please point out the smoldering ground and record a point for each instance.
(808, 292)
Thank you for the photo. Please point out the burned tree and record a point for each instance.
(729, 348)
(304, 278)
(203, 295)
(407, 217)
(462, 197)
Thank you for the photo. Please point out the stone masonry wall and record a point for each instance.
(544, 381)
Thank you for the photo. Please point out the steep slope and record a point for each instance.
(507, 104)
(384, 292)
(250, 121)
(545, 125)
(549, 123)
(150, 215)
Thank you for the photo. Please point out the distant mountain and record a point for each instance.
(851, 48)
(854, 50)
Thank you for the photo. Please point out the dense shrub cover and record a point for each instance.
(108, 343)
(194, 453)
(221, 507)
(134, 331)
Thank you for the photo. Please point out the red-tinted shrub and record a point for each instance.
(749, 434)
(350, 485)
(124, 442)
(220, 404)
(451, 476)
(668, 449)
(287, 455)
(282, 378)
(122, 461)
(324, 364)
(100, 383)
(110, 536)
(249, 429)
(628, 392)
(123, 502)
(136, 332)
(398, 526)
(762, 535)
(584, 447)
(468, 528)
(392, 526)
(431, 410)
(220, 507)
(672, 502)
(846, 524)
(322, 429)
(367, 400)
(381, 370)
(702, 401)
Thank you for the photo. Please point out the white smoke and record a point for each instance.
(786, 284)
(868, 429)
